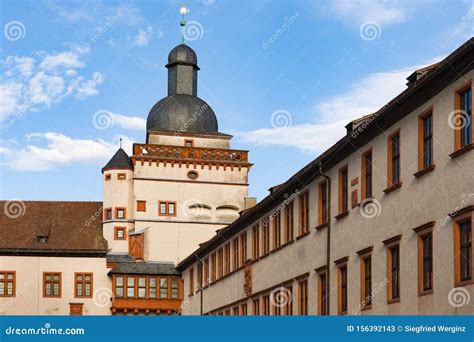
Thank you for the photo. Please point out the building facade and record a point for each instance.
(379, 224)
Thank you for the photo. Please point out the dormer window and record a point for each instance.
(42, 238)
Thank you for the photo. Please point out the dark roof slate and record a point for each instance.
(120, 160)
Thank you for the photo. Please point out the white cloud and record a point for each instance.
(143, 37)
(54, 149)
(129, 122)
(209, 2)
(380, 11)
(35, 83)
(364, 97)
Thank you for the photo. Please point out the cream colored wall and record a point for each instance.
(419, 200)
(29, 286)
(174, 140)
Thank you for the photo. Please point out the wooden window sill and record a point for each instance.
(303, 235)
(392, 301)
(464, 282)
(425, 293)
(424, 171)
(393, 187)
(462, 150)
(282, 246)
(321, 226)
(341, 215)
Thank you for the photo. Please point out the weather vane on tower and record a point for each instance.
(183, 10)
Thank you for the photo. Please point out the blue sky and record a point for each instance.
(283, 77)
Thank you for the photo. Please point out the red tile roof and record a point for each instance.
(67, 227)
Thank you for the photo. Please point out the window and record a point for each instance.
(279, 293)
(83, 285)
(7, 283)
(463, 119)
(243, 248)
(52, 284)
(206, 271)
(174, 288)
(235, 255)
(303, 297)
(304, 213)
(108, 176)
(425, 258)
(322, 294)
(213, 267)
(167, 208)
(393, 270)
(120, 213)
(266, 305)
(191, 281)
(425, 140)
(343, 190)
(220, 263)
(152, 287)
(119, 233)
(119, 286)
(235, 311)
(141, 205)
(199, 274)
(289, 302)
(108, 214)
(141, 287)
(289, 222)
(193, 175)
(256, 307)
(164, 288)
(393, 157)
(266, 236)
(463, 255)
(227, 258)
(255, 243)
(366, 281)
(366, 175)
(342, 288)
(276, 230)
(323, 203)
(130, 287)
(243, 309)
(121, 176)
(189, 143)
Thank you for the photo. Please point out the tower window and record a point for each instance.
(121, 176)
(108, 214)
(193, 175)
(119, 233)
(167, 208)
(189, 143)
(108, 177)
(120, 213)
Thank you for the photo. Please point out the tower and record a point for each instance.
(184, 183)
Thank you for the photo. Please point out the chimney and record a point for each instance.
(249, 202)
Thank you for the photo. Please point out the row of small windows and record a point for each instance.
(146, 287)
(463, 275)
(52, 284)
(193, 175)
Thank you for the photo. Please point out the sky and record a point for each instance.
(283, 77)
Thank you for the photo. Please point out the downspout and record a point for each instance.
(328, 240)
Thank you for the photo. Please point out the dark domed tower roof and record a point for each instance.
(182, 110)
